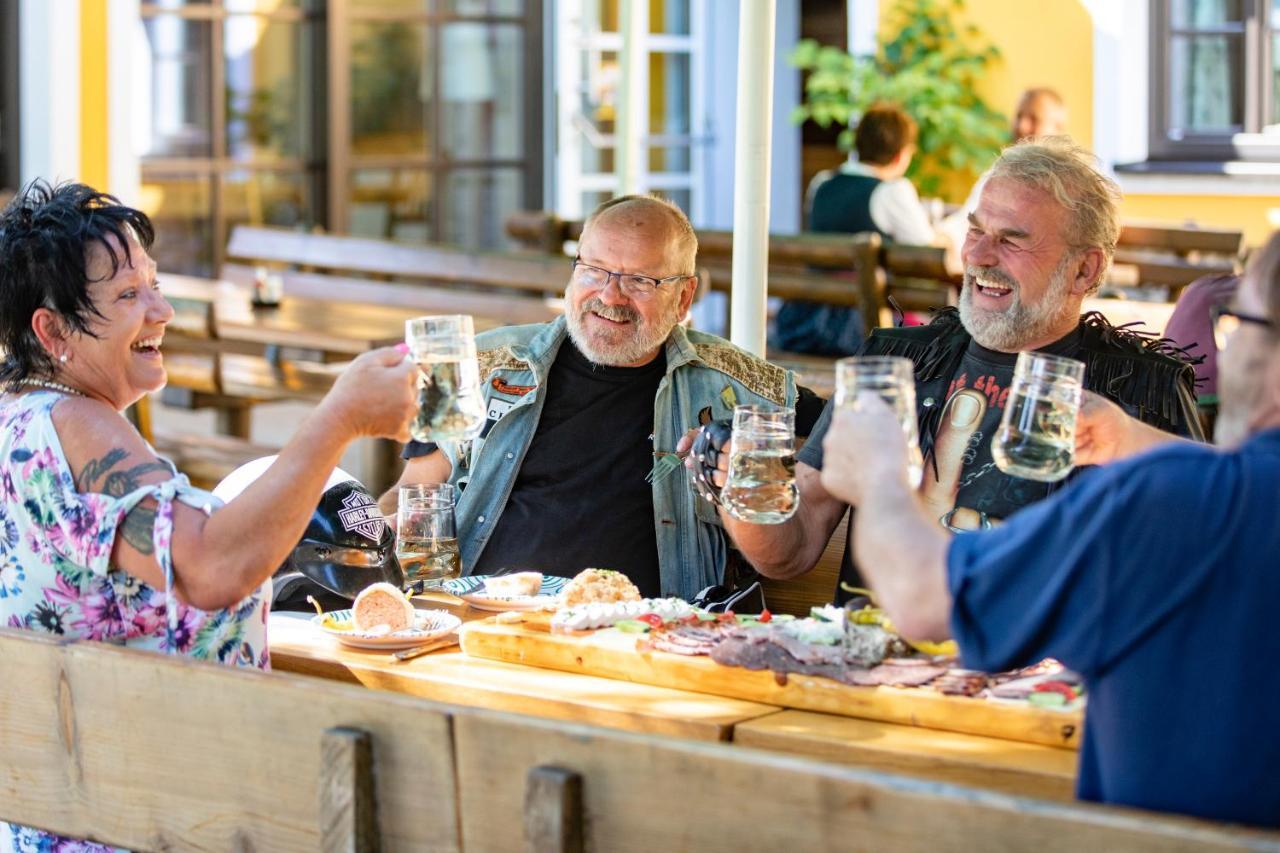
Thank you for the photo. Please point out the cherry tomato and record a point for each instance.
(653, 620)
(766, 616)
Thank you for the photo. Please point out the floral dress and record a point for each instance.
(56, 575)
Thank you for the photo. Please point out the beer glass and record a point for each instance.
(761, 487)
(892, 379)
(450, 402)
(426, 535)
(1037, 435)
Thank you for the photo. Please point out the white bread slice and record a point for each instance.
(520, 583)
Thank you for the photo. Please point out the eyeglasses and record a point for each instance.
(1226, 321)
(633, 285)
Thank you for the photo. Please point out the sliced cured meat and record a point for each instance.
(894, 675)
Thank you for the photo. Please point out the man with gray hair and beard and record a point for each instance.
(576, 465)
(1040, 240)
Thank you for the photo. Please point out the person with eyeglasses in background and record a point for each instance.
(576, 466)
(1156, 577)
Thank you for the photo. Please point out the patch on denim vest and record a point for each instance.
(756, 375)
(501, 358)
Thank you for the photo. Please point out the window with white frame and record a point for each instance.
(589, 77)
(1215, 80)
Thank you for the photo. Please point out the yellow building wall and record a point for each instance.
(94, 150)
(1053, 46)
(1257, 216)
(1050, 46)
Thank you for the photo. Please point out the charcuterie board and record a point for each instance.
(614, 654)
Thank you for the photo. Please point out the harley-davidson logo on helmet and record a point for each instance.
(361, 516)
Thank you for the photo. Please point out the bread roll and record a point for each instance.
(381, 604)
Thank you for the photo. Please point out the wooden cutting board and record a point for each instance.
(613, 654)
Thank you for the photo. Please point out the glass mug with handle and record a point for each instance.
(761, 486)
(450, 401)
(892, 379)
(1037, 435)
(427, 536)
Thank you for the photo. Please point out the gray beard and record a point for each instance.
(1012, 329)
(643, 339)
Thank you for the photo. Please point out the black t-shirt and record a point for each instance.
(581, 499)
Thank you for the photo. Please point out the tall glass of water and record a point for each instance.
(427, 536)
(761, 487)
(1037, 436)
(892, 379)
(450, 402)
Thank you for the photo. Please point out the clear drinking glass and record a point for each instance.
(761, 487)
(450, 404)
(427, 536)
(1037, 436)
(892, 379)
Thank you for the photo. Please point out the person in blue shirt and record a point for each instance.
(1156, 577)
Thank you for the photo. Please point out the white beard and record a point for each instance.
(1013, 328)
(615, 348)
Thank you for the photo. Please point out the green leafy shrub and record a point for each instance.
(930, 69)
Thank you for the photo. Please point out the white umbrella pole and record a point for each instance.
(632, 100)
(751, 175)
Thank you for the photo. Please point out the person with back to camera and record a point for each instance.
(872, 194)
(101, 539)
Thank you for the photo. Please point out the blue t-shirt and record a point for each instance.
(1158, 580)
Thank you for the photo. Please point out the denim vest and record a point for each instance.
(705, 375)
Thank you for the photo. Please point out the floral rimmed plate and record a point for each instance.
(427, 626)
(471, 590)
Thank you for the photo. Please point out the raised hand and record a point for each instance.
(375, 396)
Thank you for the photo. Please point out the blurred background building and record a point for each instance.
(432, 120)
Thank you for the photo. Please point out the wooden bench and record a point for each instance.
(512, 287)
(150, 752)
(1171, 257)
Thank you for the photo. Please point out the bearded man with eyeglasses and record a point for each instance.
(576, 466)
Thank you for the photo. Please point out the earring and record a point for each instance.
(63, 358)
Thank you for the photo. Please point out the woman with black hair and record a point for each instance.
(99, 538)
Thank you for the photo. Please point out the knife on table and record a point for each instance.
(426, 648)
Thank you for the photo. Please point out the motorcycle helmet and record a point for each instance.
(346, 547)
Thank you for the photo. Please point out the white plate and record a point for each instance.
(471, 590)
(427, 626)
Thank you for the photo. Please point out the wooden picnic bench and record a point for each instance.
(151, 752)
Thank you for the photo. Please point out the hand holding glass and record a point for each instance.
(1037, 436)
(426, 535)
(892, 379)
(450, 402)
(761, 487)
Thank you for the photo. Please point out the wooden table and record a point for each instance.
(331, 327)
(451, 676)
(1026, 769)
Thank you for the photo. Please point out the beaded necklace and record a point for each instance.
(51, 385)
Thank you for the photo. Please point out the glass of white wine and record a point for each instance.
(892, 379)
(1037, 435)
(761, 486)
(427, 536)
(450, 402)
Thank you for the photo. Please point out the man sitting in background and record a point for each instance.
(586, 410)
(1156, 578)
(867, 194)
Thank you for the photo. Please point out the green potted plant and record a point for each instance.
(930, 68)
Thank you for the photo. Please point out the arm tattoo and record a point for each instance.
(139, 529)
(120, 483)
(95, 468)
(139, 524)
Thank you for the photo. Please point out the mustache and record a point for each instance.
(994, 274)
(617, 313)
